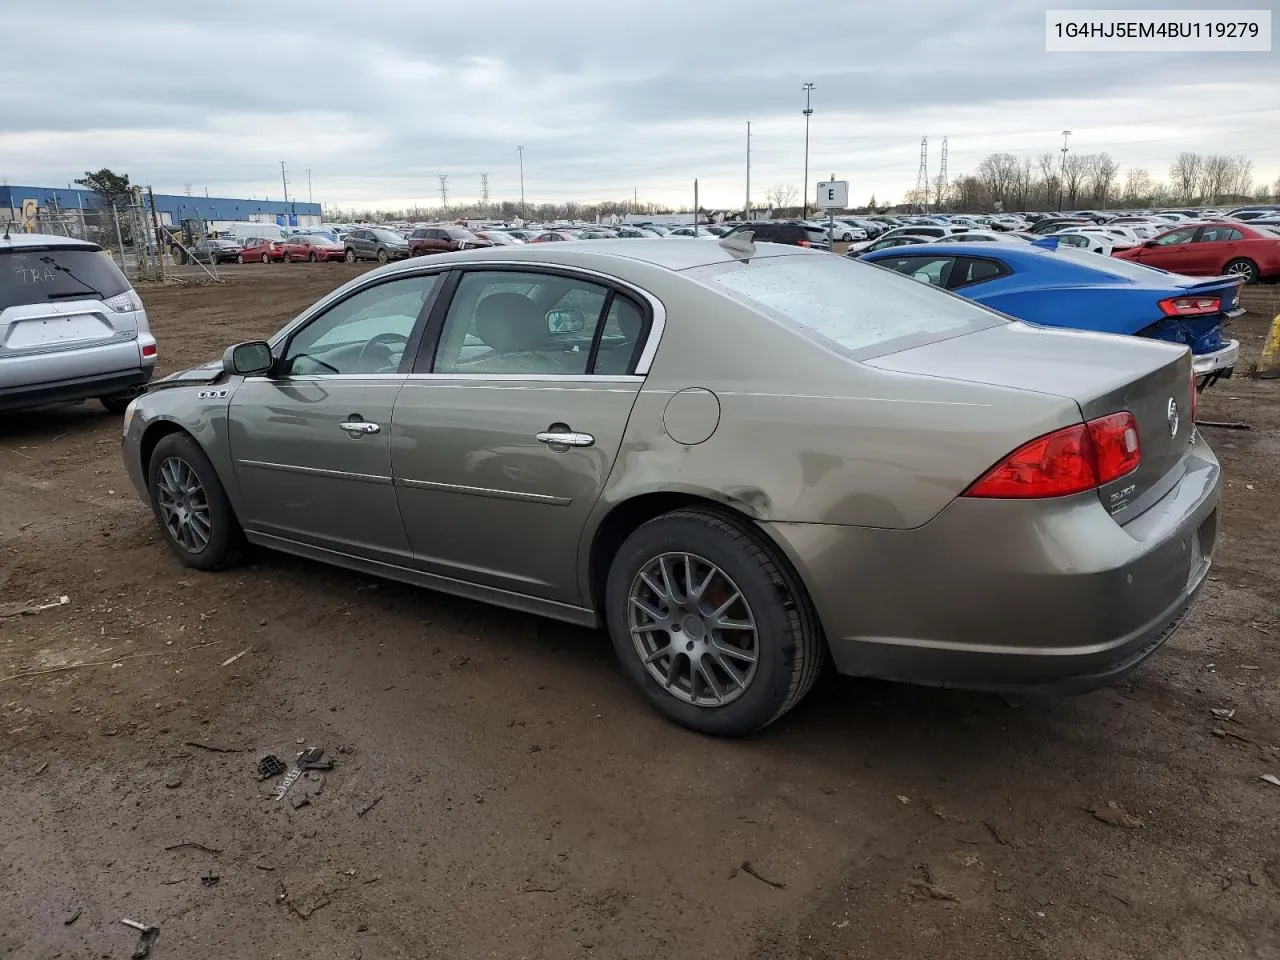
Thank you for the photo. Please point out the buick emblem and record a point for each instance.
(1173, 417)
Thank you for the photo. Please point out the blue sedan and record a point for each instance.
(1061, 287)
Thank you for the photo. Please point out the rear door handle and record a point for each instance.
(565, 438)
(359, 427)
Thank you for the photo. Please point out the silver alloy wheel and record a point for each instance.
(693, 629)
(1240, 268)
(184, 508)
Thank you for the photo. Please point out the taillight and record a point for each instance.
(149, 350)
(1190, 306)
(1067, 461)
(802, 243)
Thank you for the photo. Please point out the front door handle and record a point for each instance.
(359, 427)
(565, 438)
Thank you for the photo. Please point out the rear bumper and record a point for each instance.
(77, 388)
(1219, 362)
(1049, 597)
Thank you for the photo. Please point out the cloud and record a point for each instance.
(377, 99)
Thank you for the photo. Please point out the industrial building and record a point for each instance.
(45, 204)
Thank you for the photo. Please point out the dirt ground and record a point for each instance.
(499, 791)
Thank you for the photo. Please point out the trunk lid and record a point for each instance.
(1102, 373)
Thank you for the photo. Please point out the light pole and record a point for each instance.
(746, 211)
(808, 112)
(520, 150)
(1062, 179)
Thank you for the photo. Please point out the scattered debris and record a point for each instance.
(263, 866)
(369, 806)
(903, 800)
(1271, 778)
(192, 843)
(41, 769)
(1113, 814)
(1218, 732)
(749, 868)
(310, 759)
(230, 660)
(1003, 885)
(311, 899)
(1223, 713)
(173, 783)
(1224, 424)
(209, 880)
(113, 662)
(942, 814)
(931, 890)
(271, 766)
(211, 747)
(25, 610)
(73, 918)
(299, 802)
(146, 937)
(289, 780)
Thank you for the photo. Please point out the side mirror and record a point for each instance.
(248, 359)
(566, 321)
(1149, 243)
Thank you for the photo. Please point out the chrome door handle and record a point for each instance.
(359, 426)
(565, 438)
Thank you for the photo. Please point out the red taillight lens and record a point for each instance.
(1190, 306)
(1067, 461)
(149, 350)
(1115, 444)
(802, 243)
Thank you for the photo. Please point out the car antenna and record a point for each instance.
(740, 243)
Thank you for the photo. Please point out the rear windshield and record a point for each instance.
(859, 309)
(41, 274)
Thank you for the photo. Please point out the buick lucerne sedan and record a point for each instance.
(740, 459)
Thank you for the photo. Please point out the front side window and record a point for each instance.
(509, 322)
(366, 333)
(1185, 235)
(847, 304)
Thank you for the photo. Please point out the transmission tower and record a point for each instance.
(942, 176)
(484, 188)
(444, 191)
(922, 176)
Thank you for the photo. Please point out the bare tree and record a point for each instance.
(1137, 185)
(1215, 172)
(1185, 174)
(1049, 183)
(1102, 174)
(997, 173)
(1075, 171)
(1241, 176)
(781, 195)
(1275, 188)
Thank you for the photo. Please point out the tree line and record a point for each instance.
(1093, 180)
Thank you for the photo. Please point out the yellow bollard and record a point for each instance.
(1269, 362)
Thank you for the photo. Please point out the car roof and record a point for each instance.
(602, 254)
(17, 241)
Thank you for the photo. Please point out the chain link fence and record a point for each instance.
(125, 231)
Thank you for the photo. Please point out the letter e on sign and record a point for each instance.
(832, 194)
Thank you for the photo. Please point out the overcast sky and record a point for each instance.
(380, 97)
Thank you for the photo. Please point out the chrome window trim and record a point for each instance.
(656, 327)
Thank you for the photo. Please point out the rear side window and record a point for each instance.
(970, 270)
(42, 274)
(853, 307)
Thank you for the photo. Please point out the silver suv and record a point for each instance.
(71, 325)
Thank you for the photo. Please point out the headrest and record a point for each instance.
(511, 323)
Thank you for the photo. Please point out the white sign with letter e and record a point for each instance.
(832, 194)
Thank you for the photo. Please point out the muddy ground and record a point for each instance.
(499, 790)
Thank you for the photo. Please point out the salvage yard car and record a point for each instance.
(1212, 249)
(740, 458)
(1044, 283)
(71, 325)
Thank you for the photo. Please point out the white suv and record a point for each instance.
(71, 325)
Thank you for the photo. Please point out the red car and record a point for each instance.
(261, 248)
(444, 239)
(305, 246)
(1212, 249)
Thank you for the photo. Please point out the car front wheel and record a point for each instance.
(191, 505)
(1242, 268)
(710, 624)
(383, 256)
(350, 256)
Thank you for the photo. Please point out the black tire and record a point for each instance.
(383, 256)
(790, 646)
(266, 258)
(239, 258)
(1243, 267)
(350, 256)
(287, 258)
(311, 257)
(116, 404)
(225, 539)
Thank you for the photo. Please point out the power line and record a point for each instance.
(484, 188)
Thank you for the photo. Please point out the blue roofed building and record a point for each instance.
(21, 203)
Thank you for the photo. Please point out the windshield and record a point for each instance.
(861, 310)
(40, 274)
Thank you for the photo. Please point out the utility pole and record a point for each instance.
(484, 189)
(808, 112)
(695, 206)
(1062, 180)
(942, 175)
(746, 211)
(308, 184)
(444, 191)
(284, 182)
(520, 150)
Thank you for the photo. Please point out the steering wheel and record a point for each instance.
(380, 340)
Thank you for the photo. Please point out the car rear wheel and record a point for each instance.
(1242, 268)
(266, 258)
(383, 256)
(312, 256)
(287, 258)
(350, 256)
(191, 505)
(710, 624)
